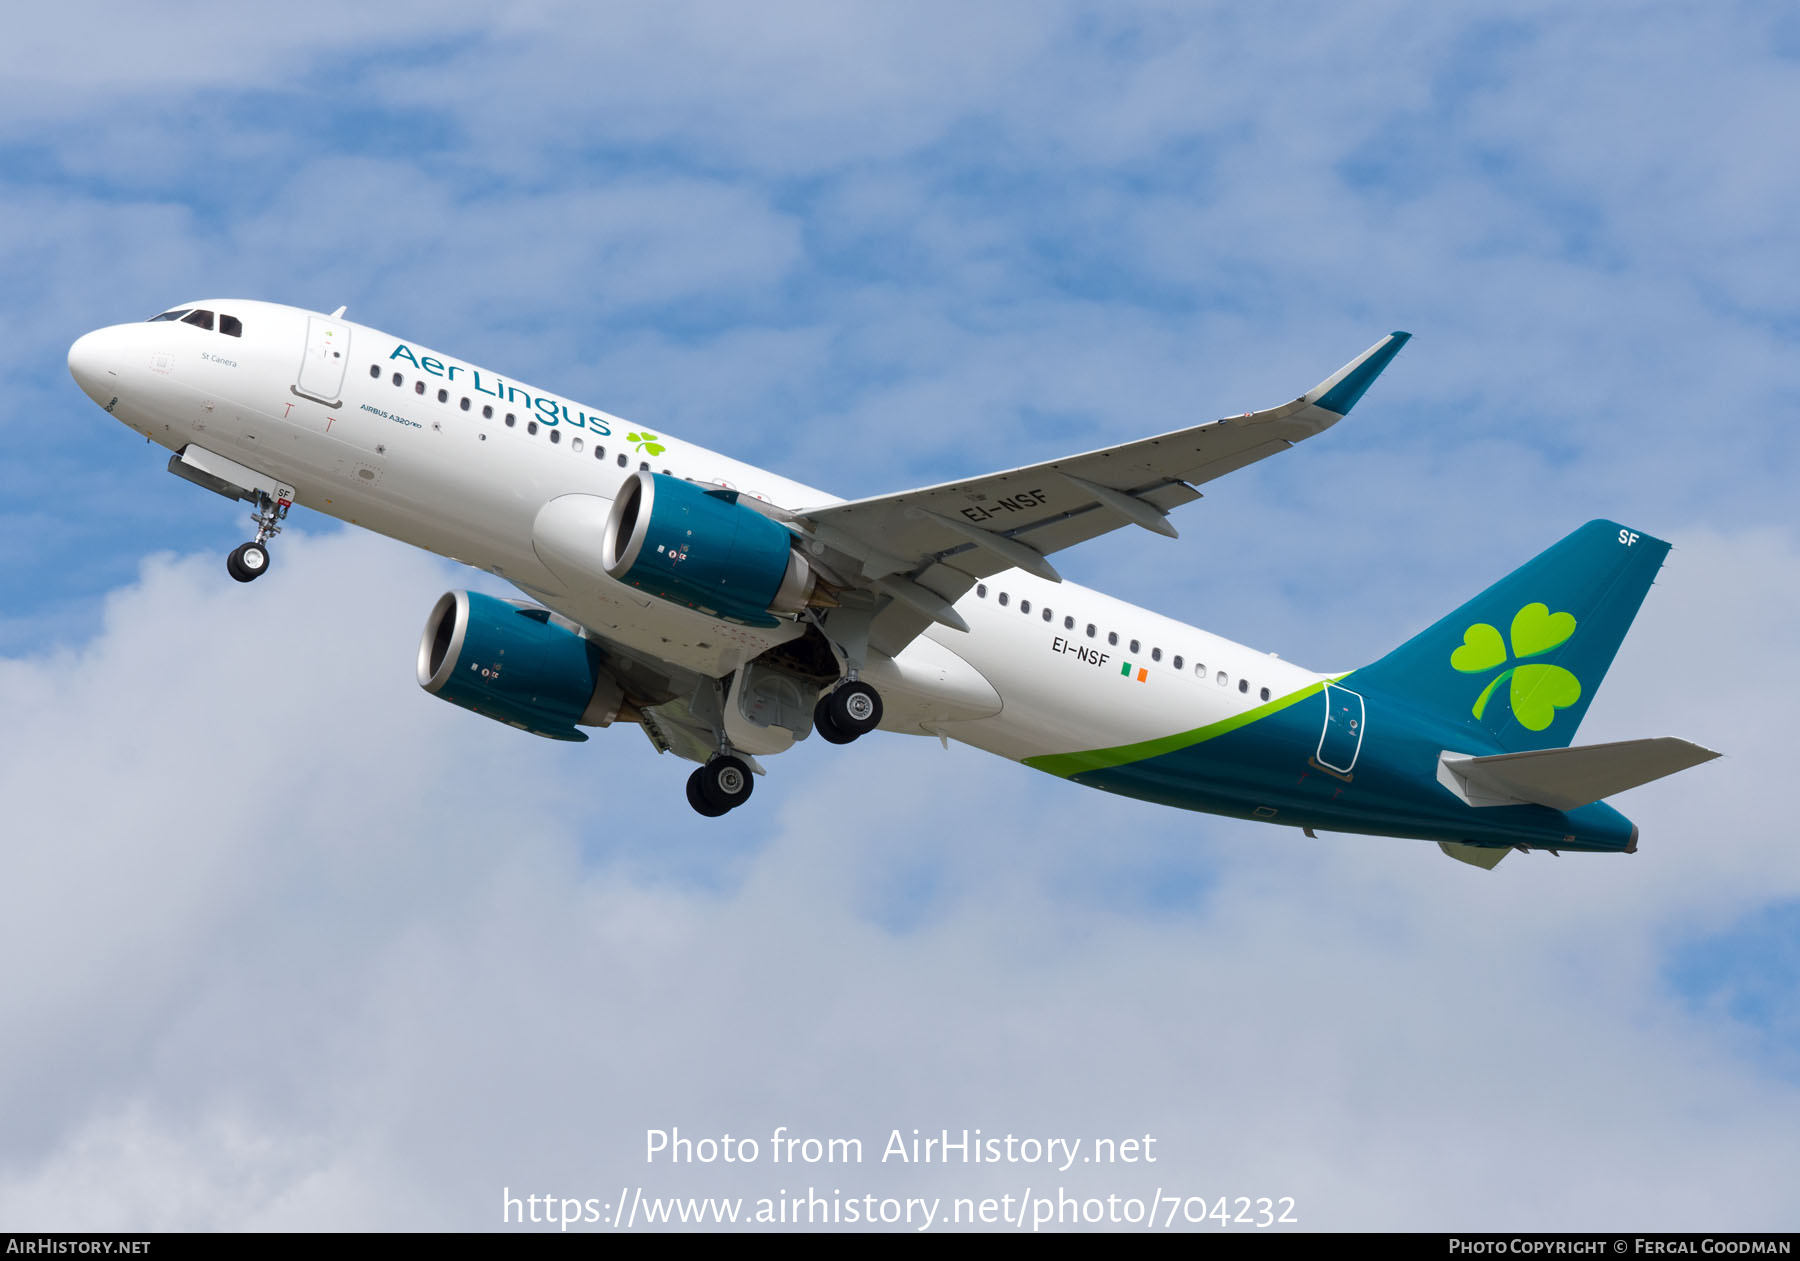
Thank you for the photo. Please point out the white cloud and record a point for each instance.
(306, 948)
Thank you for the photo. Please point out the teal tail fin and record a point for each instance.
(1522, 660)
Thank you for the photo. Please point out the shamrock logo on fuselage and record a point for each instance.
(1538, 689)
(646, 442)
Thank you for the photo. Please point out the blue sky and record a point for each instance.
(309, 949)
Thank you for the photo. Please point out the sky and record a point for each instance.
(293, 946)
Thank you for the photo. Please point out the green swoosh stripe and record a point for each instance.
(1069, 764)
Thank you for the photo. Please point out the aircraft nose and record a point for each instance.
(88, 362)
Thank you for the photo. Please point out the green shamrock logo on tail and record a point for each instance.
(1538, 689)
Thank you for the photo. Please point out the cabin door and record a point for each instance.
(1341, 740)
(327, 356)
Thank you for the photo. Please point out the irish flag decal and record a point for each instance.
(1143, 675)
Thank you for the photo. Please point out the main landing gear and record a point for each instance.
(849, 710)
(725, 783)
(852, 708)
(846, 712)
(249, 561)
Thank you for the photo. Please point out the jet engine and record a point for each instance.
(517, 664)
(704, 550)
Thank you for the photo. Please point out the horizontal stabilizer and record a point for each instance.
(1565, 779)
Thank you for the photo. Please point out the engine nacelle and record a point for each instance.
(511, 662)
(703, 549)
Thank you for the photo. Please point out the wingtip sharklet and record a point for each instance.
(1340, 391)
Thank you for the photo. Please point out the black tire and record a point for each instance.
(697, 799)
(826, 728)
(726, 783)
(855, 709)
(247, 562)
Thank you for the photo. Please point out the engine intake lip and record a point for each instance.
(628, 524)
(442, 643)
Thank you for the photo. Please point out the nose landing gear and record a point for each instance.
(249, 561)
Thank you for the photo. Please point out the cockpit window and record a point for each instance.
(200, 319)
(169, 315)
(231, 326)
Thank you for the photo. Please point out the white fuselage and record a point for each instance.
(417, 445)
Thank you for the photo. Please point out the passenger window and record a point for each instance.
(621, 459)
(1068, 623)
(465, 402)
(511, 420)
(231, 326)
(1092, 631)
(1003, 597)
(1177, 661)
(575, 444)
(981, 591)
(1243, 685)
(1024, 606)
(599, 453)
(644, 466)
(1265, 693)
(556, 435)
(1200, 670)
(1156, 654)
(200, 319)
(531, 426)
(443, 396)
(398, 379)
(1134, 646)
(419, 387)
(375, 372)
(1046, 615)
(487, 411)
(1112, 637)
(1223, 681)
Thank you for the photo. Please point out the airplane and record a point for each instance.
(730, 612)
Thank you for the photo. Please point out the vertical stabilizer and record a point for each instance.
(1522, 660)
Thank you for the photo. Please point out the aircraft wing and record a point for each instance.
(926, 547)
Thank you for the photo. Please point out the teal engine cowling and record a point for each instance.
(517, 664)
(703, 549)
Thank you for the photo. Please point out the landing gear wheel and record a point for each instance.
(247, 562)
(697, 798)
(825, 725)
(726, 783)
(855, 710)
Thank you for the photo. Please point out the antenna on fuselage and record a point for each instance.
(339, 313)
